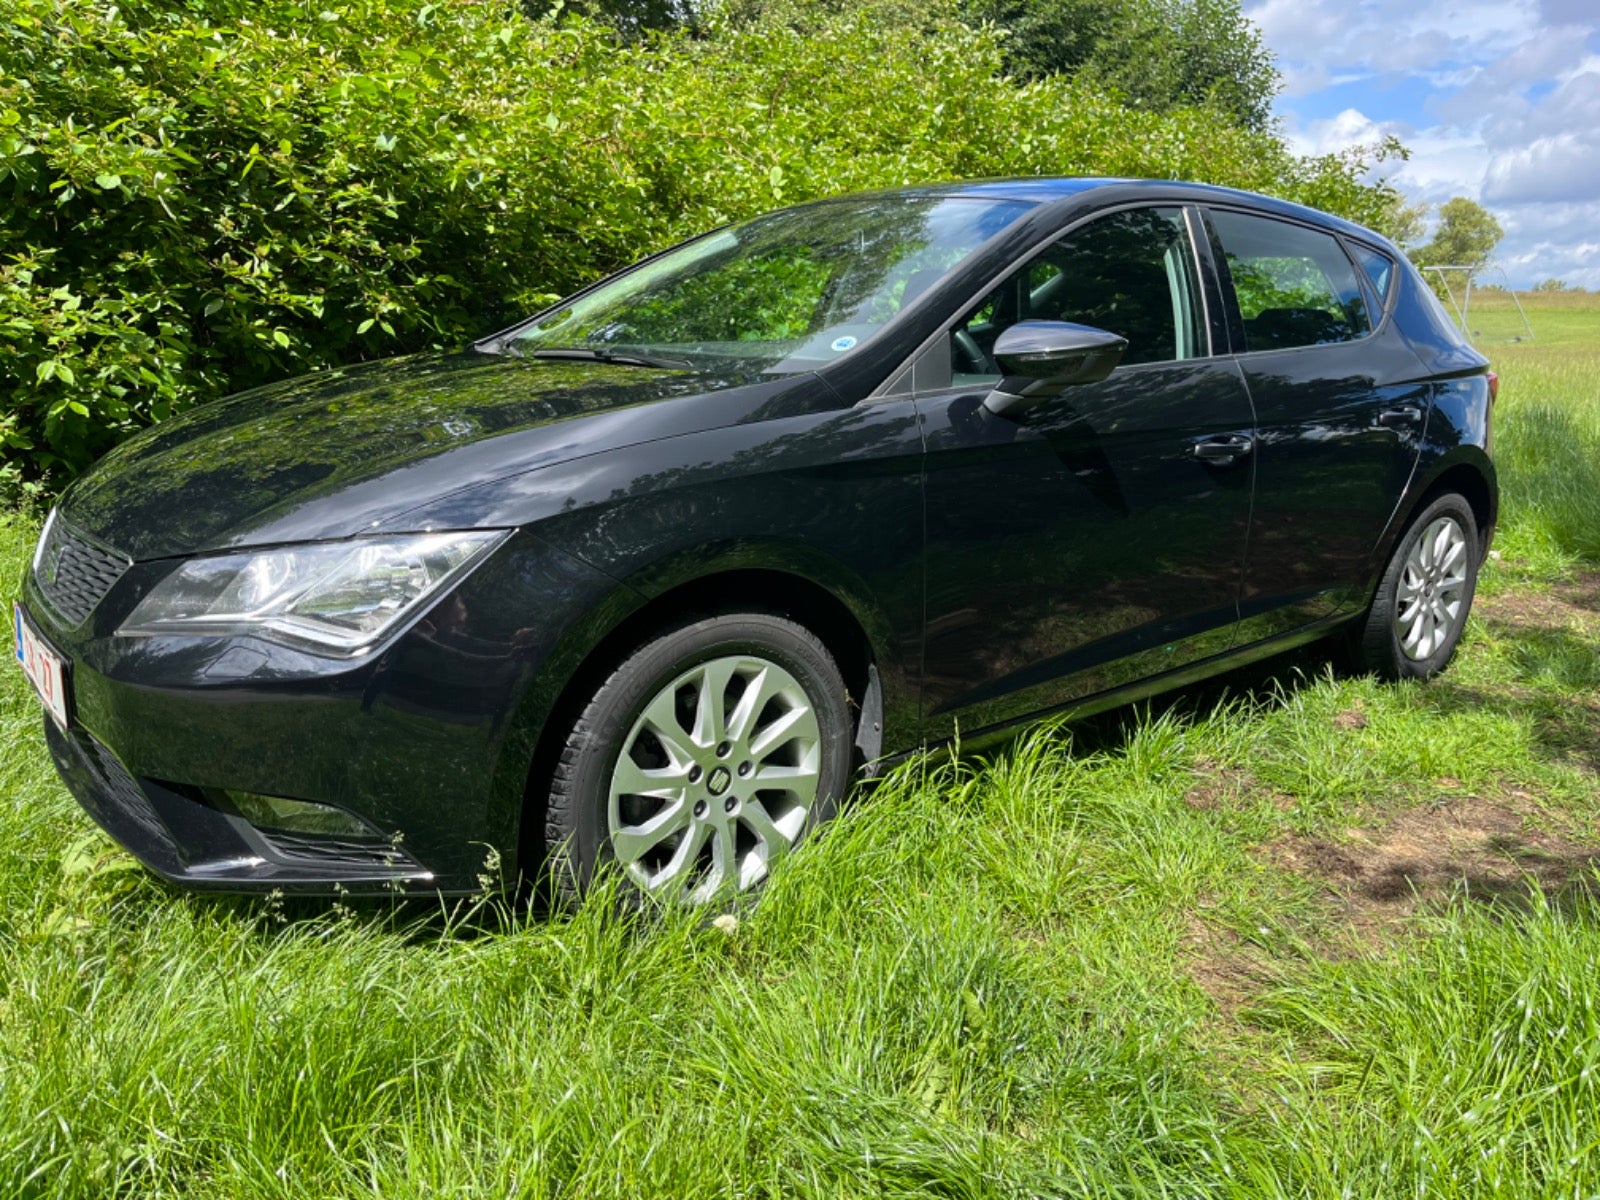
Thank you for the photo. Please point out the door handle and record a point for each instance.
(1221, 449)
(1393, 418)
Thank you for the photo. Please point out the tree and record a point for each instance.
(804, 16)
(1157, 55)
(1466, 236)
(1404, 223)
(632, 19)
(1555, 285)
(1160, 54)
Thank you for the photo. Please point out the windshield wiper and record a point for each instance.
(614, 357)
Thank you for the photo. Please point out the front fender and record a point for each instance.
(832, 500)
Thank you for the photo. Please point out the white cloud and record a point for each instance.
(1571, 12)
(1443, 163)
(1514, 121)
(1350, 127)
(1565, 167)
(1319, 38)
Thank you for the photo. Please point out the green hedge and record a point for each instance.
(202, 198)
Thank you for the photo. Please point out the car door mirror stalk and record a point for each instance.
(1041, 358)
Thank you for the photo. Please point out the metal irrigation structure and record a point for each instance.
(1472, 272)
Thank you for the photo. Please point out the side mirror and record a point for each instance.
(1040, 358)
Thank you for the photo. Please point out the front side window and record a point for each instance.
(1130, 272)
(787, 292)
(1295, 286)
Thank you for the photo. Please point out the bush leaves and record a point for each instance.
(207, 197)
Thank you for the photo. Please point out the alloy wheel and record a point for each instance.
(716, 779)
(1432, 589)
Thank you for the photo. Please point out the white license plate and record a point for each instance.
(45, 669)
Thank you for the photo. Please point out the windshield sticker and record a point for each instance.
(841, 344)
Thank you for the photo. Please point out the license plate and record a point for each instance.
(45, 669)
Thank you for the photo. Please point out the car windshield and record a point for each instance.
(785, 292)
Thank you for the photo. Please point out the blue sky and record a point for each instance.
(1499, 101)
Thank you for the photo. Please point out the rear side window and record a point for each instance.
(1295, 286)
(1379, 269)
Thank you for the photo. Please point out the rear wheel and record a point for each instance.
(1421, 606)
(709, 753)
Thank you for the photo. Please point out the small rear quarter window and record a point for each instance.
(1378, 268)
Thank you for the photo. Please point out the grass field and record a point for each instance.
(1293, 935)
(1549, 454)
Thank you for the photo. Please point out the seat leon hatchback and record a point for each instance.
(643, 582)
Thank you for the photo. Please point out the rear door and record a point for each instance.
(1340, 405)
(1090, 541)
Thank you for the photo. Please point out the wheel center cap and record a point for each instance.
(717, 782)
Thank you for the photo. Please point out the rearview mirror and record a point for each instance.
(1040, 358)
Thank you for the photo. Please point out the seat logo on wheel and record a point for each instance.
(717, 782)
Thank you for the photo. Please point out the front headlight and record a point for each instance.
(338, 596)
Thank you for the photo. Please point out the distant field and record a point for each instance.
(1560, 321)
(1298, 936)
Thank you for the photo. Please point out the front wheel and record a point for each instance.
(1421, 606)
(710, 752)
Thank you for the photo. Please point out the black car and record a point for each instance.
(650, 577)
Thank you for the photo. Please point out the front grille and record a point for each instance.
(74, 574)
(297, 847)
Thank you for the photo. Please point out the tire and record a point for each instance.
(1405, 634)
(697, 826)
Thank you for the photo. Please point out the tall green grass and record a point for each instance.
(1548, 452)
(1085, 966)
(1465, 1063)
(1547, 424)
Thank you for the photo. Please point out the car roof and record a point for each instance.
(1051, 190)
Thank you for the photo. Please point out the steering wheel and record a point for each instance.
(967, 357)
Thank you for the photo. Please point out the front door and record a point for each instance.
(1099, 537)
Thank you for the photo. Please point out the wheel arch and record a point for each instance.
(654, 604)
(1471, 473)
(1466, 470)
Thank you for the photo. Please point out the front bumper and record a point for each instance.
(428, 739)
(188, 842)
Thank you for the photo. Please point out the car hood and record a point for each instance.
(338, 452)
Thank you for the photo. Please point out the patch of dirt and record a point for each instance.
(1487, 848)
(1217, 788)
(1228, 970)
(1567, 604)
(1350, 718)
(1581, 592)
